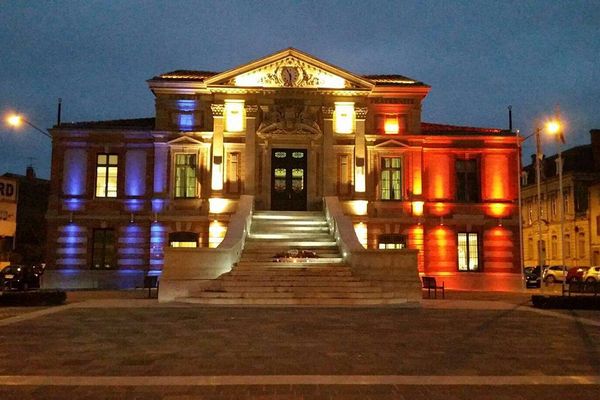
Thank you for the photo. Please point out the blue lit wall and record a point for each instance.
(74, 172)
(71, 246)
(135, 173)
(131, 246)
(185, 120)
(158, 238)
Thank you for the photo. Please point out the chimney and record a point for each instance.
(30, 173)
(595, 136)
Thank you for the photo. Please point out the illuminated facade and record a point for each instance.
(581, 197)
(288, 129)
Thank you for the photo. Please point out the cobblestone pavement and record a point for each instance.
(145, 339)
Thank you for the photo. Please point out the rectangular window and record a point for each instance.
(391, 241)
(344, 174)
(391, 178)
(553, 205)
(344, 117)
(467, 181)
(104, 252)
(468, 251)
(233, 172)
(581, 244)
(185, 175)
(530, 254)
(554, 247)
(567, 244)
(107, 167)
(598, 225)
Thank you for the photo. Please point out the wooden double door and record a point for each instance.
(288, 179)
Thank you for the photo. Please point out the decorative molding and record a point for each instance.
(361, 112)
(327, 111)
(289, 118)
(251, 110)
(217, 109)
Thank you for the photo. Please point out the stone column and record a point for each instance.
(217, 161)
(360, 162)
(329, 168)
(250, 176)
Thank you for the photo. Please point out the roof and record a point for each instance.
(575, 159)
(441, 129)
(133, 124)
(200, 76)
(185, 74)
(393, 80)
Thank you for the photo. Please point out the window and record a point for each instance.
(185, 175)
(390, 124)
(391, 241)
(391, 178)
(581, 245)
(234, 115)
(467, 181)
(567, 244)
(529, 213)
(598, 225)
(344, 117)
(107, 167)
(344, 174)
(104, 254)
(530, 254)
(468, 251)
(233, 172)
(553, 205)
(183, 239)
(554, 246)
(581, 198)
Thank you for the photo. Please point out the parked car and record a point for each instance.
(21, 277)
(554, 273)
(532, 277)
(575, 274)
(592, 275)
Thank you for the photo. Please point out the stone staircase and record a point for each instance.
(260, 278)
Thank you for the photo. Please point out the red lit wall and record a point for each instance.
(438, 168)
(440, 249)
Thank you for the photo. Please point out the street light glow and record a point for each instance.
(553, 127)
(14, 120)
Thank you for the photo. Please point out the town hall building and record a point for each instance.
(286, 133)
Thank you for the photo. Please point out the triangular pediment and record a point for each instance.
(185, 140)
(391, 144)
(289, 68)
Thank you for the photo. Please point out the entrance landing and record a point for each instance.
(290, 258)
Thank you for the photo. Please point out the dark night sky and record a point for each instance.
(478, 56)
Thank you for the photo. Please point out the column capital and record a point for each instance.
(217, 110)
(361, 112)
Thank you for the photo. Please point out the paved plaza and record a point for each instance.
(469, 346)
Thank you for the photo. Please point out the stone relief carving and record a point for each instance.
(289, 119)
(289, 72)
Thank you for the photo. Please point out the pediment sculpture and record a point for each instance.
(289, 119)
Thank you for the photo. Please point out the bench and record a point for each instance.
(430, 283)
(151, 282)
(583, 288)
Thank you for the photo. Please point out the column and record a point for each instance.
(217, 162)
(360, 169)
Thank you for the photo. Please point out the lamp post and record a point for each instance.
(554, 127)
(17, 120)
(538, 175)
(520, 141)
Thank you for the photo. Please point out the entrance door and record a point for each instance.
(288, 179)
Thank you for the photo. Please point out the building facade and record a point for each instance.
(581, 202)
(287, 129)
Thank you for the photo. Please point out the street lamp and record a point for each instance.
(554, 127)
(16, 120)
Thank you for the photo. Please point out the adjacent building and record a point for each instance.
(581, 202)
(287, 129)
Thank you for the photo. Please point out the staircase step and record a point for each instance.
(332, 302)
(288, 263)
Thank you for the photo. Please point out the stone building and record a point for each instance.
(581, 197)
(289, 130)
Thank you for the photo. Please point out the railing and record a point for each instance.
(189, 269)
(395, 271)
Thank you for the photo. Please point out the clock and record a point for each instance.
(289, 76)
